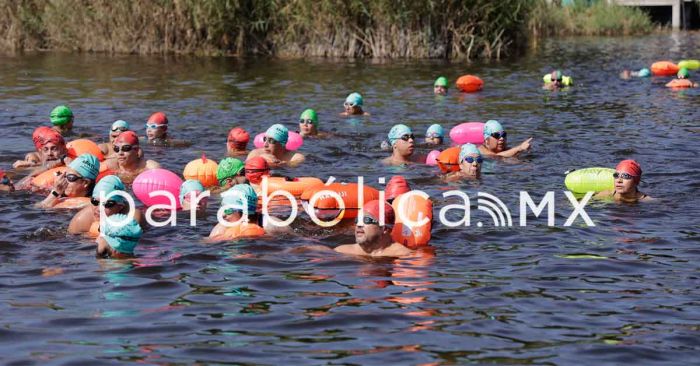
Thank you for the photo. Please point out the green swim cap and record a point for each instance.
(309, 114)
(441, 81)
(86, 165)
(109, 184)
(122, 238)
(228, 168)
(61, 115)
(683, 73)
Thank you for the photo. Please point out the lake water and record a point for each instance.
(624, 291)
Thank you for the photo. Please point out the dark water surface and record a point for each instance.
(624, 291)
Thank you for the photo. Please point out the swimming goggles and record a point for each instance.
(471, 159)
(624, 176)
(153, 125)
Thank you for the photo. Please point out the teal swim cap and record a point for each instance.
(441, 81)
(278, 133)
(397, 131)
(644, 73)
(241, 195)
(120, 124)
(435, 131)
(190, 185)
(309, 114)
(228, 168)
(86, 165)
(468, 149)
(354, 99)
(124, 238)
(61, 115)
(491, 127)
(109, 184)
(683, 73)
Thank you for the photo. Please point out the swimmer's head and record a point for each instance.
(557, 76)
(117, 128)
(371, 229)
(494, 136)
(243, 197)
(81, 174)
(237, 139)
(157, 126)
(644, 73)
(86, 165)
(230, 172)
(308, 123)
(62, 116)
(397, 186)
(49, 144)
(353, 103)
(401, 139)
(189, 188)
(275, 139)
(440, 86)
(256, 168)
(119, 236)
(470, 160)
(683, 73)
(126, 146)
(627, 175)
(112, 204)
(435, 135)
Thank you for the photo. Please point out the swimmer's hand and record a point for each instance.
(23, 164)
(525, 145)
(61, 184)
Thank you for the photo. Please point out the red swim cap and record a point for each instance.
(127, 137)
(255, 168)
(397, 185)
(372, 208)
(44, 135)
(238, 135)
(158, 118)
(630, 167)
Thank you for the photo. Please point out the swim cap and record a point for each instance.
(630, 167)
(556, 75)
(86, 165)
(190, 185)
(239, 136)
(61, 115)
(490, 127)
(397, 131)
(372, 208)
(158, 118)
(435, 131)
(44, 135)
(468, 149)
(127, 137)
(120, 124)
(255, 168)
(278, 132)
(109, 184)
(354, 99)
(644, 73)
(397, 185)
(124, 238)
(441, 81)
(242, 195)
(683, 73)
(229, 167)
(309, 114)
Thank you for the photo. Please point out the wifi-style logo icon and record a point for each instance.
(495, 208)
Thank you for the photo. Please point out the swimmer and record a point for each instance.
(118, 239)
(189, 190)
(628, 74)
(129, 160)
(78, 180)
(50, 150)
(397, 186)
(440, 86)
(308, 124)
(230, 172)
(62, 119)
(117, 128)
(372, 238)
(255, 169)
(628, 174)
(556, 80)
(435, 135)
(469, 164)
(157, 132)
(683, 74)
(242, 215)
(87, 220)
(402, 143)
(274, 149)
(353, 106)
(6, 184)
(496, 143)
(237, 142)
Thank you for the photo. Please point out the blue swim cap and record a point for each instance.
(124, 238)
(241, 195)
(397, 131)
(492, 126)
(86, 165)
(120, 124)
(435, 131)
(109, 184)
(278, 132)
(188, 186)
(354, 99)
(468, 149)
(644, 73)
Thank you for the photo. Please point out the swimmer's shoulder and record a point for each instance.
(604, 194)
(152, 164)
(351, 249)
(397, 250)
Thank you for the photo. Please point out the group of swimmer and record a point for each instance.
(83, 179)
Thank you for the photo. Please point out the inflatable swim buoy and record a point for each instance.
(431, 159)
(664, 68)
(46, 179)
(94, 230)
(203, 170)
(590, 180)
(689, 64)
(327, 206)
(79, 147)
(73, 203)
(157, 180)
(565, 80)
(679, 84)
(468, 133)
(242, 230)
(448, 160)
(469, 83)
(104, 174)
(295, 186)
(416, 208)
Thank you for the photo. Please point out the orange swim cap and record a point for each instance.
(255, 169)
(397, 185)
(127, 137)
(630, 167)
(372, 209)
(44, 135)
(158, 118)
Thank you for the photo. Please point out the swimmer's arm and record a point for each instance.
(30, 160)
(399, 250)
(152, 164)
(351, 249)
(104, 148)
(297, 159)
(81, 222)
(524, 146)
(603, 194)
(253, 153)
(310, 248)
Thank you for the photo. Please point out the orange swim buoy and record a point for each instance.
(295, 186)
(94, 230)
(664, 68)
(242, 230)
(469, 83)
(79, 147)
(679, 84)
(415, 209)
(104, 173)
(73, 203)
(203, 170)
(448, 160)
(327, 206)
(46, 179)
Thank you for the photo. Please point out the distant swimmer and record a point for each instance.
(402, 143)
(117, 128)
(120, 237)
(308, 124)
(157, 132)
(435, 135)
(469, 164)
(556, 80)
(240, 204)
(129, 161)
(373, 238)
(440, 86)
(6, 184)
(77, 181)
(628, 174)
(274, 149)
(496, 142)
(50, 150)
(62, 120)
(682, 81)
(189, 190)
(353, 105)
(628, 74)
(237, 142)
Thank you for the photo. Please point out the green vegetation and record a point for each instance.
(456, 29)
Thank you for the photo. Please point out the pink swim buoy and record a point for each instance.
(432, 157)
(468, 132)
(157, 180)
(294, 141)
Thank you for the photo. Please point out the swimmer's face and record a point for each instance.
(52, 152)
(471, 165)
(352, 109)
(404, 145)
(625, 186)
(79, 185)
(201, 203)
(273, 147)
(111, 208)
(126, 153)
(433, 140)
(307, 128)
(497, 142)
(113, 134)
(233, 215)
(625, 74)
(368, 233)
(440, 90)
(156, 131)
